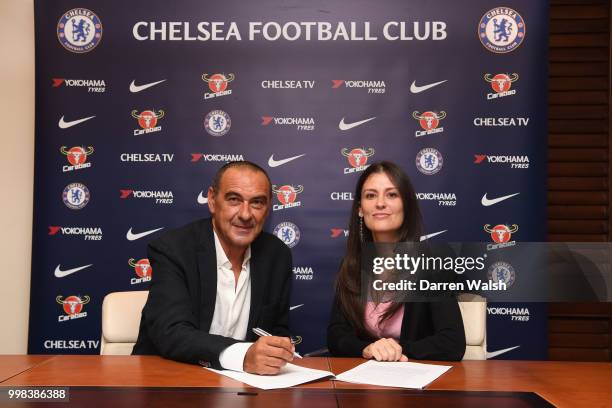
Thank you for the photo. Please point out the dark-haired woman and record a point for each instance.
(385, 210)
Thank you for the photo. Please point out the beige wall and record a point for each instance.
(16, 170)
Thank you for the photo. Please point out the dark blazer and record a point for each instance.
(179, 310)
(430, 331)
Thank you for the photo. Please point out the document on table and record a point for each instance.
(289, 376)
(393, 374)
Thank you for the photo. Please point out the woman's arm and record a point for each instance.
(448, 340)
(342, 339)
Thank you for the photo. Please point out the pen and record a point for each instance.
(263, 333)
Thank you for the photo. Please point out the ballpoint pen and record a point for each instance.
(263, 333)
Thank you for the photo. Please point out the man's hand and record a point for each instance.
(384, 350)
(268, 355)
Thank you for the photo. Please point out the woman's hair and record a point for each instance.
(348, 283)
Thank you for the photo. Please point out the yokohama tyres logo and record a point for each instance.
(159, 196)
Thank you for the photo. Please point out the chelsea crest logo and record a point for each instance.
(501, 30)
(288, 232)
(79, 30)
(217, 123)
(502, 272)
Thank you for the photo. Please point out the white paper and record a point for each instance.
(393, 374)
(289, 376)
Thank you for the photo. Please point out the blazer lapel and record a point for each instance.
(207, 266)
(258, 282)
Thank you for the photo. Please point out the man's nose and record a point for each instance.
(245, 211)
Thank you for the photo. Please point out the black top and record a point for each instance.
(179, 310)
(430, 331)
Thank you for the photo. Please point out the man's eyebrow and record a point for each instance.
(236, 194)
(232, 193)
(260, 197)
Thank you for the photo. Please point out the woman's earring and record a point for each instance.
(361, 228)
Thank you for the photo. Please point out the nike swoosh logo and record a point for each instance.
(202, 199)
(65, 125)
(295, 307)
(60, 274)
(133, 237)
(137, 88)
(276, 163)
(487, 202)
(500, 352)
(426, 237)
(414, 88)
(347, 126)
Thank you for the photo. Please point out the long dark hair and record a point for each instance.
(348, 283)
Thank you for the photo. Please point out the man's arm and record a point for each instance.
(171, 324)
(269, 354)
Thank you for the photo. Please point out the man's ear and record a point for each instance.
(211, 200)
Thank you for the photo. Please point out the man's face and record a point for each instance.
(240, 207)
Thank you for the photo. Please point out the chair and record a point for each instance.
(120, 321)
(474, 314)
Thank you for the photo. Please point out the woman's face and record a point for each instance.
(382, 208)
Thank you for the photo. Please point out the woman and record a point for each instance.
(386, 210)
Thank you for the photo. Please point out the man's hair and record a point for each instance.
(216, 182)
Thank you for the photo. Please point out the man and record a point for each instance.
(216, 279)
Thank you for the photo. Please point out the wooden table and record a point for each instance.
(16, 364)
(565, 384)
(138, 371)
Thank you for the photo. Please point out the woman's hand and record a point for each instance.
(384, 350)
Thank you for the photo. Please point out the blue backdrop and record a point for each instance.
(139, 103)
